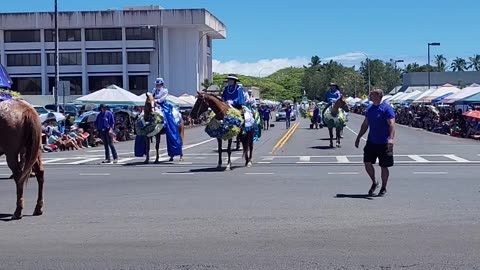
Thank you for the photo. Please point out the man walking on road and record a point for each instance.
(380, 118)
(105, 123)
(288, 115)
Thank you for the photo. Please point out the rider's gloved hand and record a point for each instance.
(230, 102)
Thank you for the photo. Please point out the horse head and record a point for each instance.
(149, 104)
(341, 103)
(200, 106)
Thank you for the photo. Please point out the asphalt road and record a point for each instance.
(302, 206)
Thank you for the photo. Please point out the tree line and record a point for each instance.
(313, 79)
(441, 64)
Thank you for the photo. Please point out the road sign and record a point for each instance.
(64, 88)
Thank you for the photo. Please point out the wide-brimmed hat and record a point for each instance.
(232, 77)
(159, 81)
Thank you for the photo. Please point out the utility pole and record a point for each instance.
(57, 76)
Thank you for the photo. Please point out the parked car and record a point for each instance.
(40, 109)
(70, 109)
(281, 115)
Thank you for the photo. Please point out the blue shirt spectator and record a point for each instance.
(105, 121)
(377, 122)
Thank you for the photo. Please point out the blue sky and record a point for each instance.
(265, 35)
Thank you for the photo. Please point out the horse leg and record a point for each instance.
(238, 141)
(39, 174)
(219, 141)
(250, 147)
(245, 147)
(181, 130)
(330, 131)
(229, 151)
(15, 166)
(157, 148)
(147, 150)
(338, 132)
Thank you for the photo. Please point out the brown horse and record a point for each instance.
(147, 114)
(220, 108)
(20, 141)
(334, 117)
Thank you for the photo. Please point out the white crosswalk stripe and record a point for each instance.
(211, 158)
(354, 159)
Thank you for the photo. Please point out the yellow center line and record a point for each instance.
(285, 137)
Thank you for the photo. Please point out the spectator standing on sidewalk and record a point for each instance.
(380, 118)
(105, 124)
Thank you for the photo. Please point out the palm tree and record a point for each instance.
(441, 62)
(474, 62)
(413, 67)
(315, 61)
(459, 64)
(206, 83)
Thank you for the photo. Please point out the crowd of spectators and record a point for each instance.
(443, 119)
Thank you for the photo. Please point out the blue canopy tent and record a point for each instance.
(5, 81)
(440, 98)
(475, 99)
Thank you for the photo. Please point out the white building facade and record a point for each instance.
(129, 48)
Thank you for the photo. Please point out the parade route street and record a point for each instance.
(301, 206)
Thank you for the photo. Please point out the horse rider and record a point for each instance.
(174, 143)
(332, 95)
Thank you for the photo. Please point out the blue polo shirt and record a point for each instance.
(377, 117)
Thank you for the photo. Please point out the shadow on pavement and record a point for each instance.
(355, 196)
(213, 169)
(322, 147)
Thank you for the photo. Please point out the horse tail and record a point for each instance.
(32, 141)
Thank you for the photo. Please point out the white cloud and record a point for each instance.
(265, 67)
(262, 68)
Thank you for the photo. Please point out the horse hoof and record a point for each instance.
(38, 211)
(338, 146)
(249, 164)
(219, 166)
(157, 162)
(181, 159)
(228, 168)
(171, 159)
(145, 162)
(331, 145)
(17, 215)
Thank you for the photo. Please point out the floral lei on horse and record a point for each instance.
(150, 128)
(337, 121)
(227, 128)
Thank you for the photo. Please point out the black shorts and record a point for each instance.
(373, 151)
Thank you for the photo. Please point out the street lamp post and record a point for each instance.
(395, 63)
(428, 65)
(369, 74)
(198, 54)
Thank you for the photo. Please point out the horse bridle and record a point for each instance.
(204, 101)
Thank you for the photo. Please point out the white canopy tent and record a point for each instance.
(464, 93)
(111, 95)
(442, 91)
(188, 98)
(398, 99)
(424, 94)
(172, 99)
(410, 96)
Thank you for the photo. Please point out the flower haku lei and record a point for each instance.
(227, 128)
